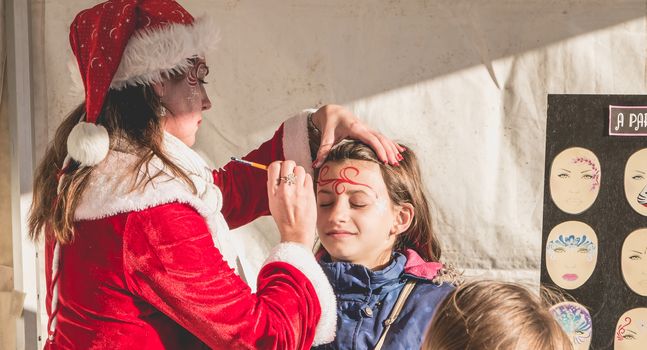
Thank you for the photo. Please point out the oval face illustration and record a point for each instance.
(576, 322)
(571, 254)
(636, 181)
(631, 330)
(575, 180)
(634, 261)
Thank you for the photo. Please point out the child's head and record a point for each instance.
(366, 209)
(494, 315)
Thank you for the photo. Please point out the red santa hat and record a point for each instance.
(121, 43)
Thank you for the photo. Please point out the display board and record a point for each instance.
(594, 232)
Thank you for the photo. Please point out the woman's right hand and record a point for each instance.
(292, 202)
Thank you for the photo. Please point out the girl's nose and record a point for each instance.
(339, 212)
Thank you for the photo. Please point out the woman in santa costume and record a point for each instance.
(137, 226)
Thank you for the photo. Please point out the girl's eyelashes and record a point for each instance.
(357, 200)
(353, 205)
(203, 82)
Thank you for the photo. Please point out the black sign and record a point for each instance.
(581, 121)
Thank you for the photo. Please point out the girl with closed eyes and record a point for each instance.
(378, 249)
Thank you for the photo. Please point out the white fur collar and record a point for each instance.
(187, 159)
(109, 191)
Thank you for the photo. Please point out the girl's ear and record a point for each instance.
(159, 89)
(403, 218)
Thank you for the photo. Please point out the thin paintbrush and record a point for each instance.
(252, 164)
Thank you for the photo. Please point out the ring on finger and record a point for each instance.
(289, 179)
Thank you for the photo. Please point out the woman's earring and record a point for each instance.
(162, 108)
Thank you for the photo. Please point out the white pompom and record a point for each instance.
(88, 143)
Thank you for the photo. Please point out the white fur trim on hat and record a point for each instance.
(151, 55)
(88, 143)
(300, 257)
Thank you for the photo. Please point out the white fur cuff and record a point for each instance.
(300, 257)
(295, 140)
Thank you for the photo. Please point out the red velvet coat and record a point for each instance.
(152, 278)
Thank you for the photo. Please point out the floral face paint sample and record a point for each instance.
(575, 177)
(634, 261)
(576, 322)
(571, 254)
(636, 181)
(631, 330)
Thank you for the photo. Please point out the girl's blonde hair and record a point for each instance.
(129, 114)
(490, 315)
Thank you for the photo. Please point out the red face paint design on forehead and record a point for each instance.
(338, 183)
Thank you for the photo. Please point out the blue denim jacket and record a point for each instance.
(365, 299)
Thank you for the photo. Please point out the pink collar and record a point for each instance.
(416, 266)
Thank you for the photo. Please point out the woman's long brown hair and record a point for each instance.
(128, 114)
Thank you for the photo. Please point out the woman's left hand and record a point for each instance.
(337, 123)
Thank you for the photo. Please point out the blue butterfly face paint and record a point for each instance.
(581, 244)
(571, 254)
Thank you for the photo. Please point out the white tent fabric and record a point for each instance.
(10, 300)
(463, 83)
